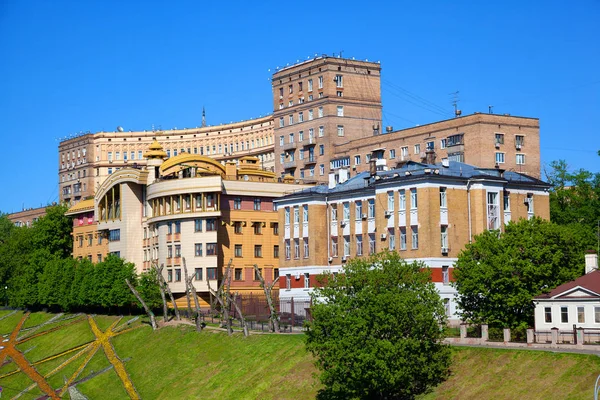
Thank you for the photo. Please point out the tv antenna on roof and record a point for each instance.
(457, 112)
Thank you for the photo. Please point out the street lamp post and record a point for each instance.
(6, 296)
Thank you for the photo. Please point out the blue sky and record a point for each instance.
(93, 65)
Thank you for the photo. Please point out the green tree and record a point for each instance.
(147, 287)
(376, 331)
(498, 275)
(53, 231)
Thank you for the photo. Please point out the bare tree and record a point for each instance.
(222, 298)
(187, 290)
(239, 311)
(273, 317)
(158, 272)
(190, 288)
(168, 289)
(221, 301)
(143, 303)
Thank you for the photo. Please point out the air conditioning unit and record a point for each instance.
(343, 224)
(330, 259)
(388, 214)
(297, 275)
(497, 145)
(527, 200)
(364, 216)
(518, 146)
(444, 250)
(383, 236)
(344, 258)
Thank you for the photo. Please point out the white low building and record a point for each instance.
(572, 303)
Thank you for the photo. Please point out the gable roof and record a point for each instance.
(589, 282)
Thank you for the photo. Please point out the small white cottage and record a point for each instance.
(572, 303)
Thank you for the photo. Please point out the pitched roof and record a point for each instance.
(589, 281)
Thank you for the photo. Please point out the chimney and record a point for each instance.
(430, 157)
(591, 262)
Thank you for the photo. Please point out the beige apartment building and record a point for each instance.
(425, 212)
(86, 161)
(319, 104)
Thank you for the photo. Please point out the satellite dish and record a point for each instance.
(246, 177)
(120, 128)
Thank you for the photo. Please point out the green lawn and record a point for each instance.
(179, 363)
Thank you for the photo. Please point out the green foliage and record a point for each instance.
(575, 196)
(498, 275)
(53, 231)
(149, 290)
(376, 330)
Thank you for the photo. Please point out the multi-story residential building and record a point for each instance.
(486, 140)
(87, 160)
(88, 242)
(27, 217)
(320, 104)
(192, 211)
(426, 212)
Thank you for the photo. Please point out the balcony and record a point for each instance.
(289, 146)
(311, 160)
(310, 142)
(289, 164)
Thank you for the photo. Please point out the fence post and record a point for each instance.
(554, 337)
(463, 330)
(530, 336)
(580, 339)
(484, 333)
(292, 313)
(506, 332)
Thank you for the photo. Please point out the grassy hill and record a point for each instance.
(178, 363)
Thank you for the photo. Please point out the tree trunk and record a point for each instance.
(187, 290)
(242, 320)
(158, 271)
(273, 318)
(143, 303)
(196, 303)
(168, 289)
(223, 299)
(222, 303)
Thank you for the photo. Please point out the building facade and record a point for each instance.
(26, 217)
(191, 211)
(88, 242)
(426, 212)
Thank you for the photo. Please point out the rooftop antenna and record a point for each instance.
(203, 117)
(457, 112)
(341, 51)
(490, 109)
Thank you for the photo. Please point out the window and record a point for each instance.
(300, 136)
(321, 131)
(371, 210)
(404, 152)
(177, 250)
(276, 251)
(339, 93)
(296, 215)
(257, 274)
(499, 138)
(356, 160)
(306, 253)
(291, 119)
(211, 274)
(358, 209)
(280, 124)
(257, 204)
(114, 235)
(110, 171)
(211, 224)
(296, 248)
(443, 201)
(340, 111)
(581, 315)
(444, 236)
(257, 228)
(346, 211)
(258, 250)
(506, 201)
(455, 140)
(310, 85)
(340, 130)
(392, 239)
(237, 227)
(169, 251)
(443, 144)
(333, 213)
(520, 159)
(564, 315)
(499, 158)
(198, 249)
(359, 245)
(169, 275)
(346, 246)
(320, 82)
(430, 146)
(287, 249)
(288, 281)
(392, 154)
(415, 237)
(334, 246)
(198, 225)
(310, 115)
(597, 315)
(445, 275)
(210, 200)
(548, 314)
(275, 273)
(417, 149)
(493, 210)
(402, 200)
(198, 274)
(306, 280)
(529, 204)
(519, 141)
(390, 205)
(300, 116)
(237, 203)
(320, 112)
(322, 169)
(178, 275)
(281, 140)
(177, 226)
(238, 250)
(413, 199)
(275, 228)
(291, 89)
(99, 257)
(339, 81)
(371, 243)
(211, 249)
(305, 213)
(287, 216)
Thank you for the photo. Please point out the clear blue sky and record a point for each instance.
(93, 65)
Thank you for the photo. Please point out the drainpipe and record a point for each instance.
(469, 209)
(328, 229)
